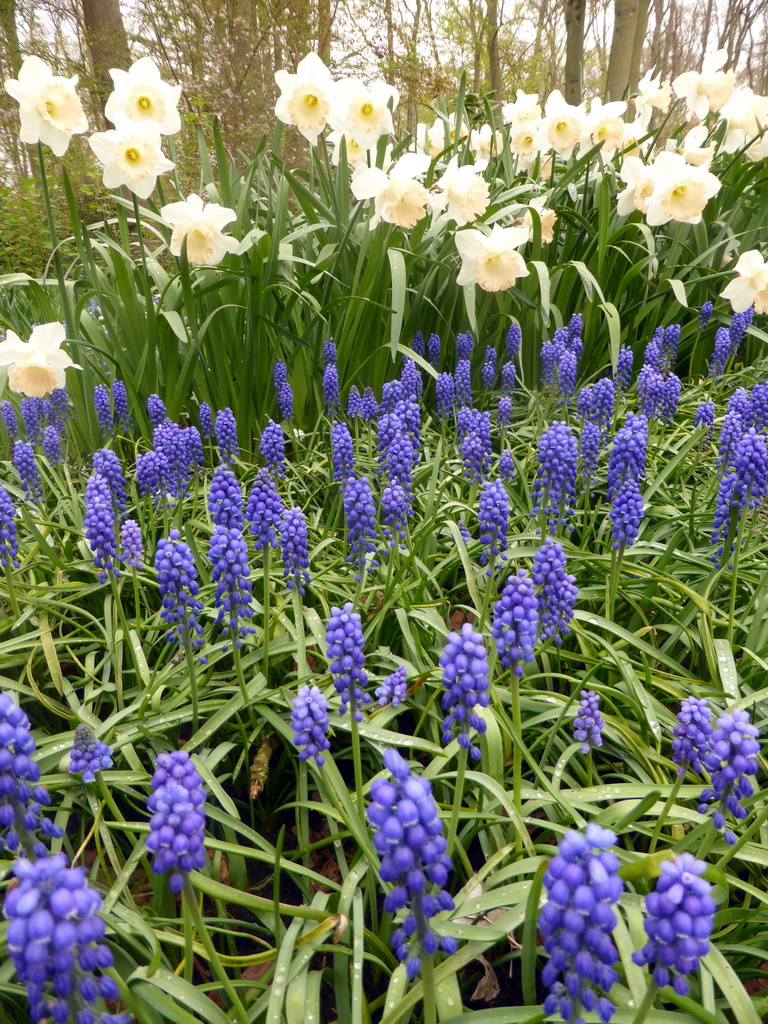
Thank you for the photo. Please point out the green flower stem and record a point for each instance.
(357, 759)
(487, 594)
(190, 931)
(613, 581)
(266, 613)
(238, 663)
(428, 985)
(734, 582)
(12, 591)
(190, 659)
(517, 764)
(645, 1006)
(190, 898)
(664, 812)
(63, 293)
(301, 640)
(458, 798)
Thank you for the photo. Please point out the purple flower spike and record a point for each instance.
(394, 688)
(331, 388)
(514, 340)
(228, 554)
(26, 467)
(494, 522)
(131, 546)
(692, 735)
(294, 546)
(225, 499)
(732, 758)
(588, 725)
(88, 755)
(444, 395)
(9, 419)
(559, 592)
(264, 511)
(309, 721)
(360, 515)
(102, 403)
(342, 452)
(9, 544)
(626, 514)
(122, 408)
(55, 940)
(515, 623)
(344, 640)
(179, 587)
(464, 662)
(433, 350)
(226, 435)
(156, 410)
(554, 490)
(679, 922)
(624, 368)
(577, 921)
(100, 525)
(52, 446)
(21, 796)
(272, 447)
(408, 836)
(177, 826)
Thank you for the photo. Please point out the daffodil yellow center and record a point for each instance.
(367, 109)
(562, 125)
(679, 192)
(144, 102)
(132, 154)
(59, 106)
(311, 100)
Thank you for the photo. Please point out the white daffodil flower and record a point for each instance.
(306, 97)
(485, 142)
(640, 185)
(491, 260)
(526, 109)
(463, 191)
(49, 107)
(201, 224)
(707, 90)
(750, 288)
(36, 367)
(398, 198)
(131, 157)
(524, 141)
(692, 150)
(355, 153)
(563, 125)
(363, 111)
(443, 134)
(547, 219)
(606, 124)
(680, 191)
(141, 96)
(746, 115)
(652, 94)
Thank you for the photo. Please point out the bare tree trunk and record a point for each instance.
(494, 65)
(324, 30)
(574, 48)
(638, 44)
(390, 74)
(476, 45)
(624, 23)
(107, 42)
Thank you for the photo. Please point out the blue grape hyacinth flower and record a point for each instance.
(88, 755)
(692, 735)
(577, 922)
(56, 942)
(309, 721)
(408, 836)
(588, 724)
(731, 760)
(346, 658)
(679, 922)
(515, 623)
(464, 662)
(177, 826)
